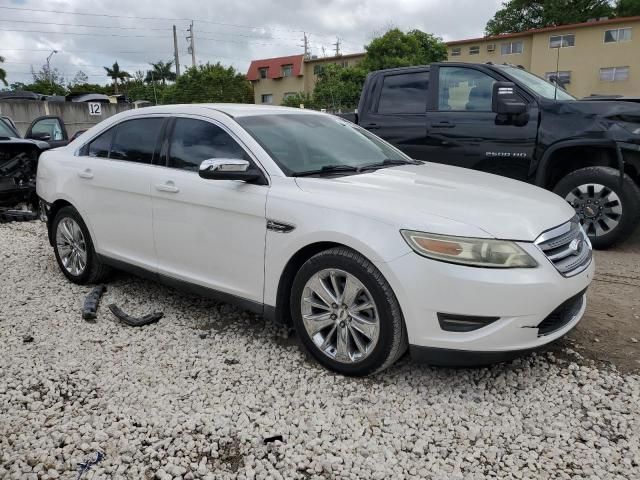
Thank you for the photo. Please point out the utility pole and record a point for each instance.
(305, 39)
(49, 66)
(337, 45)
(192, 45)
(175, 51)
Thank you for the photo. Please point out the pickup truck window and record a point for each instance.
(538, 85)
(404, 93)
(464, 89)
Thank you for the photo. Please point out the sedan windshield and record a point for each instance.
(538, 85)
(307, 144)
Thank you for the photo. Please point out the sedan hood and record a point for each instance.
(446, 200)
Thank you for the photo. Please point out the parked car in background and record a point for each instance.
(310, 219)
(502, 119)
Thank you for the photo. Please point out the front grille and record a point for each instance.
(567, 247)
(561, 315)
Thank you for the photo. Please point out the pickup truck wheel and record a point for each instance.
(74, 249)
(346, 314)
(608, 210)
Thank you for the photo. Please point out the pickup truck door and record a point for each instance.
(398, 113)
(462, 129)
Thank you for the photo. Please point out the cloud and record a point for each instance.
(233, 33)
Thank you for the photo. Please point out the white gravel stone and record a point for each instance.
(194, 395)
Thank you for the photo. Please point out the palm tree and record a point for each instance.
(161, 71)
(116, 74)
(3, 74)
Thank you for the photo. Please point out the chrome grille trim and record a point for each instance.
(567, 247)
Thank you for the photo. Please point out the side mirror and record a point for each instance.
(505, 100)
(229, 169)
(43, 136)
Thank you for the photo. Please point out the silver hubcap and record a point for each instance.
(71, 246)
(598, 207)
(340, 316)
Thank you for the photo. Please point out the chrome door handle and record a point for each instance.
(86, 173)
(168, 187)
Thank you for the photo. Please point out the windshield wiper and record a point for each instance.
(388, 163)
(327, 169)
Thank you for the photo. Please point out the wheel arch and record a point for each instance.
(568, 156)
(54, 208)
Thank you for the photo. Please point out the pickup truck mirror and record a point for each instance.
(229, 169)
(505, 100)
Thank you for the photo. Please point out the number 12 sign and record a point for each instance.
(95, 108)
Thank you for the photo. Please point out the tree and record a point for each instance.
(80, 78)
(521, 15)
(338, 87)
(209, 83)
(398, 49)
(300, 98)
(3, 73)
(161, 72)
(116, 74)
(628, 8)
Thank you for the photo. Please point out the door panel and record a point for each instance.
(463, 131)
(400, 114)
(208, 232)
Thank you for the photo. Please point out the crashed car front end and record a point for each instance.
(18, 166)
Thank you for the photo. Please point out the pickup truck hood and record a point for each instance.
(442, 199)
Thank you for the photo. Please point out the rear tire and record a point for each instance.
(608, 212)
(74, 250)
(353, 324)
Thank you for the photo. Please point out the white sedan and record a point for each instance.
(313, 221)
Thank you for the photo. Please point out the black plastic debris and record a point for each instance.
(231, 361)
(133, 321)
(85, 466)
(9, 215)
(27, 339)
(90, 309)
(275, 438)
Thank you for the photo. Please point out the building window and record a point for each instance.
(474, 50)
(456, 52)
(563, 77)
(562, 41)
(287, 70)
(614, 74)
(512, 48)
(344, 63)
(267, 98)
(289, 94)
(317, 69)
(263, 72)
(617, 35)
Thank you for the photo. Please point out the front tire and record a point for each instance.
(608, 211)
(345, 313)
(74, 250)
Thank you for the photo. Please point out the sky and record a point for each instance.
(90, 34)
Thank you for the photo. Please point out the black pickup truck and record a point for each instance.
(504, 120)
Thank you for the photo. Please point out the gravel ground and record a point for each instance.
(195, 395)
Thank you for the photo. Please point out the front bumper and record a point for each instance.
(522, 298)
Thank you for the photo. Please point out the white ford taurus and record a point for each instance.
(309, 219)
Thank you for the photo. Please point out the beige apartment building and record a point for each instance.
(274, 79)
(596, 57)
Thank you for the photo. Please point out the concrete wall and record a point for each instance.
(75, 115)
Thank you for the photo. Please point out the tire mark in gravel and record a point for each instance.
(633, 281)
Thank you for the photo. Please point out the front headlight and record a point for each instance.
(477, 252)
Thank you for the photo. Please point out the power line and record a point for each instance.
(85, 34)
(83, 25)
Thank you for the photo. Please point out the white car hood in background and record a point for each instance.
(442, 199)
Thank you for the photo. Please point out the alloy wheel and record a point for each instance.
(598, 207)
(71, 246)
(340, 315)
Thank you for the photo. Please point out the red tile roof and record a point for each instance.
(275, 66)
(549, 29)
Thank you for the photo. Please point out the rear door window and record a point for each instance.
(404, 93)
(136, 140)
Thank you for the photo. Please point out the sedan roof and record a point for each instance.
(231, 109)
